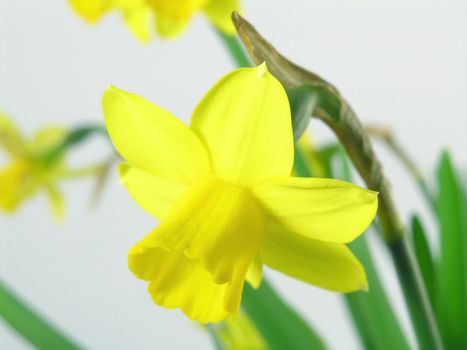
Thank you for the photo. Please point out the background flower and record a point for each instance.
(27, 172)
(171, 16)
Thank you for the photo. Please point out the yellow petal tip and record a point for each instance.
(109, 91)
(112, 88)
(262, 70)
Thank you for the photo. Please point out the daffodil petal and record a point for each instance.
(56, 201)
(169, 28)
(323, 209)
(220, 12)
(138, 20)
(244, 121)
(90, 10)
(152, 139)
(177, 9)
(254, 275)
(10, 137)
(327, 265)
(153, 193)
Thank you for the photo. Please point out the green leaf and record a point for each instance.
(423, 254)
(451, 305)
(30, 325)
(302, 104)
(281, 327)
(372, 313)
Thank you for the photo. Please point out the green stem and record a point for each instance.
(416, 297)
(32, 327)
(235, 49)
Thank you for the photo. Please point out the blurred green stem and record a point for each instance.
(29, 324)
(387, 137)
(235, 49)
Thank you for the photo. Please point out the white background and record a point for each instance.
(399, 63)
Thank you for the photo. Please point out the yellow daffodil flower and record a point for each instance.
(227, 203)
(25, 174)
(171, 16)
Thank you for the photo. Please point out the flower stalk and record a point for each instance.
(235, 49)
(387, 137)
(335, 112)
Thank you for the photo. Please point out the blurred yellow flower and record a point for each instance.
(227, 203)
(171, 16)
(25, 174)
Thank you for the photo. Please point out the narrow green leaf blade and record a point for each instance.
(451, 305)
(281, 327)
(30, 325)
(372, 313)
(423, 254)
